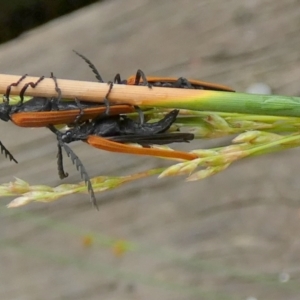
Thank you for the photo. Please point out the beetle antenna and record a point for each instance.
(91, 65)
(76, 162)
(7, 153)
(82, 171)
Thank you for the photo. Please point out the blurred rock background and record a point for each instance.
(232, 236)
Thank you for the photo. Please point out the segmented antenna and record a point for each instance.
(98, 76)
(91, 65)
(76, 162)
(139, 74)
(61, 172)
(7, 153)
(82, 171)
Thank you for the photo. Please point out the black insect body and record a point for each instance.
(120, 129)
(38, 104)
(119, 126)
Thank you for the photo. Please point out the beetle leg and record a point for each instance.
(25, 87)
(60, 165)
(8, 89)
(55, 101)
(183, 83)
(140, 74)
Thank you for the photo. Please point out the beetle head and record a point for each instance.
(5, 110)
